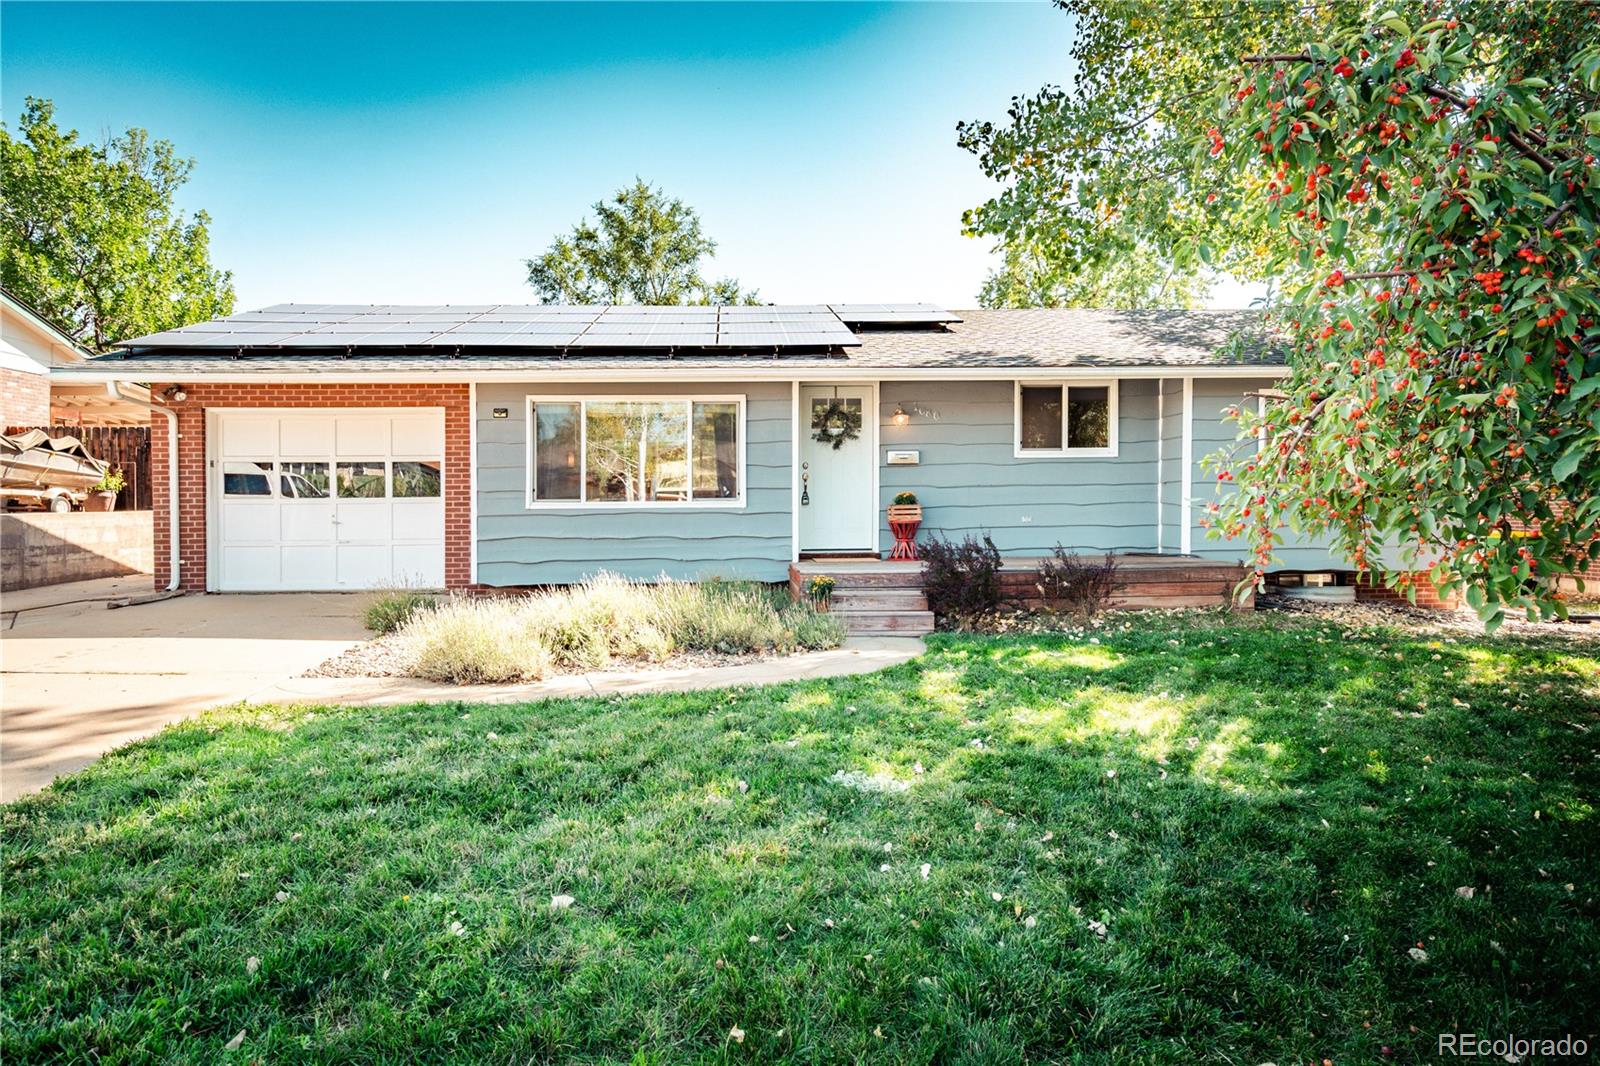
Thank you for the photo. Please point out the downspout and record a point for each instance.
(114, 390)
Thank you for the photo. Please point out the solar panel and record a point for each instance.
(525, 325)
(892, 314)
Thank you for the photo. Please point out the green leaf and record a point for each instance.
(1584, 387)
(1569, 461)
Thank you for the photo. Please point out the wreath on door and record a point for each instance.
(836, 424)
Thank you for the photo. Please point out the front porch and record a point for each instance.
(878, 596)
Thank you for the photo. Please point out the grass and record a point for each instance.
(602, 621)
(390, 610)
(1161, 841)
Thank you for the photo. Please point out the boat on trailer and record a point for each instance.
(39, 470)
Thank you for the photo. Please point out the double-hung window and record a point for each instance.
(1066, 418)
(606, 451)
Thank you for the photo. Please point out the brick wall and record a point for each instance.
(24, 398)
(1370, 589)
(453, 397)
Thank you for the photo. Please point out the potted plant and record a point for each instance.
(103, 493)
(905, 515)
(820, 590)
(905, 508)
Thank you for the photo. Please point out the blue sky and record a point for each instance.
(419, 152)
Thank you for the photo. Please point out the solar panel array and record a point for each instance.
(541, 326)
(892, 314)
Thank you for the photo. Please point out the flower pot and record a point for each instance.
(100, 501)
(904, 518)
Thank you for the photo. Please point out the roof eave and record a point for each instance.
(575, 370)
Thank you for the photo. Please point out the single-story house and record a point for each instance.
(494, 446)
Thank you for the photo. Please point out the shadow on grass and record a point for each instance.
(1215, 841)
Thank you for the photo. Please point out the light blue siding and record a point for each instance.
(1171, 470)
(1213, 433)
(969, 479)
(519, 546)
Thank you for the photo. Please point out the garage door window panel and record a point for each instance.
(248, 478)
(363, 480)
(417, 480)
(303, 481)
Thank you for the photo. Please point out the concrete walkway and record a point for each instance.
(858, 655)
(77, 679)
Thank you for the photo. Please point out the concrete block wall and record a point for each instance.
(48, 549)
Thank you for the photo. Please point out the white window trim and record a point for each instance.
(529, 503)
(1112, 426)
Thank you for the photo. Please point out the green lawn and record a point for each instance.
(1178, 840)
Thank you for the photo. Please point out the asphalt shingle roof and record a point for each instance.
(983, 339)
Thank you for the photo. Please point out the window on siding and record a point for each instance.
(557, 474)
(1041, 418)
(1063, 419)
(607, 451)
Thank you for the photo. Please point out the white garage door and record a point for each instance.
(314, 499)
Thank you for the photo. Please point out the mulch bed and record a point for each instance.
(1355, 616)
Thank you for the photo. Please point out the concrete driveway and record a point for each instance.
(77, 679)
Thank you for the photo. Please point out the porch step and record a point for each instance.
(859, 623)
(878, 598)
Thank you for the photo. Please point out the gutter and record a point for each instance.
(114, 390)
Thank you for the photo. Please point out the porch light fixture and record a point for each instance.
(175, 393)
(900, 416)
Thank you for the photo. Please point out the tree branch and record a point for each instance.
(1437, 93)
(1510, 134)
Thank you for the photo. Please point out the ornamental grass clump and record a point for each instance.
(474, 642)
(602, 622)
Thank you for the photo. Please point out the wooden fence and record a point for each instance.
(125, 447)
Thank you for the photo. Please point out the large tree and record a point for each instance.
(644, 247)
(91, 237)
(1422, 189)
(1029, 277)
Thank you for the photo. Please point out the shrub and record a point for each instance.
(1071, 583)
(391, 610)
(475, 641)
(587, 626)
(962, 581)
(602, 621)
(110, 481)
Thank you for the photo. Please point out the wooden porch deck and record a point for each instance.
(877, 596)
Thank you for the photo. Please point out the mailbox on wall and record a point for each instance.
(903, 458)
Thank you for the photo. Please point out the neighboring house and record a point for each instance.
(31, 349)
(334, 447)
